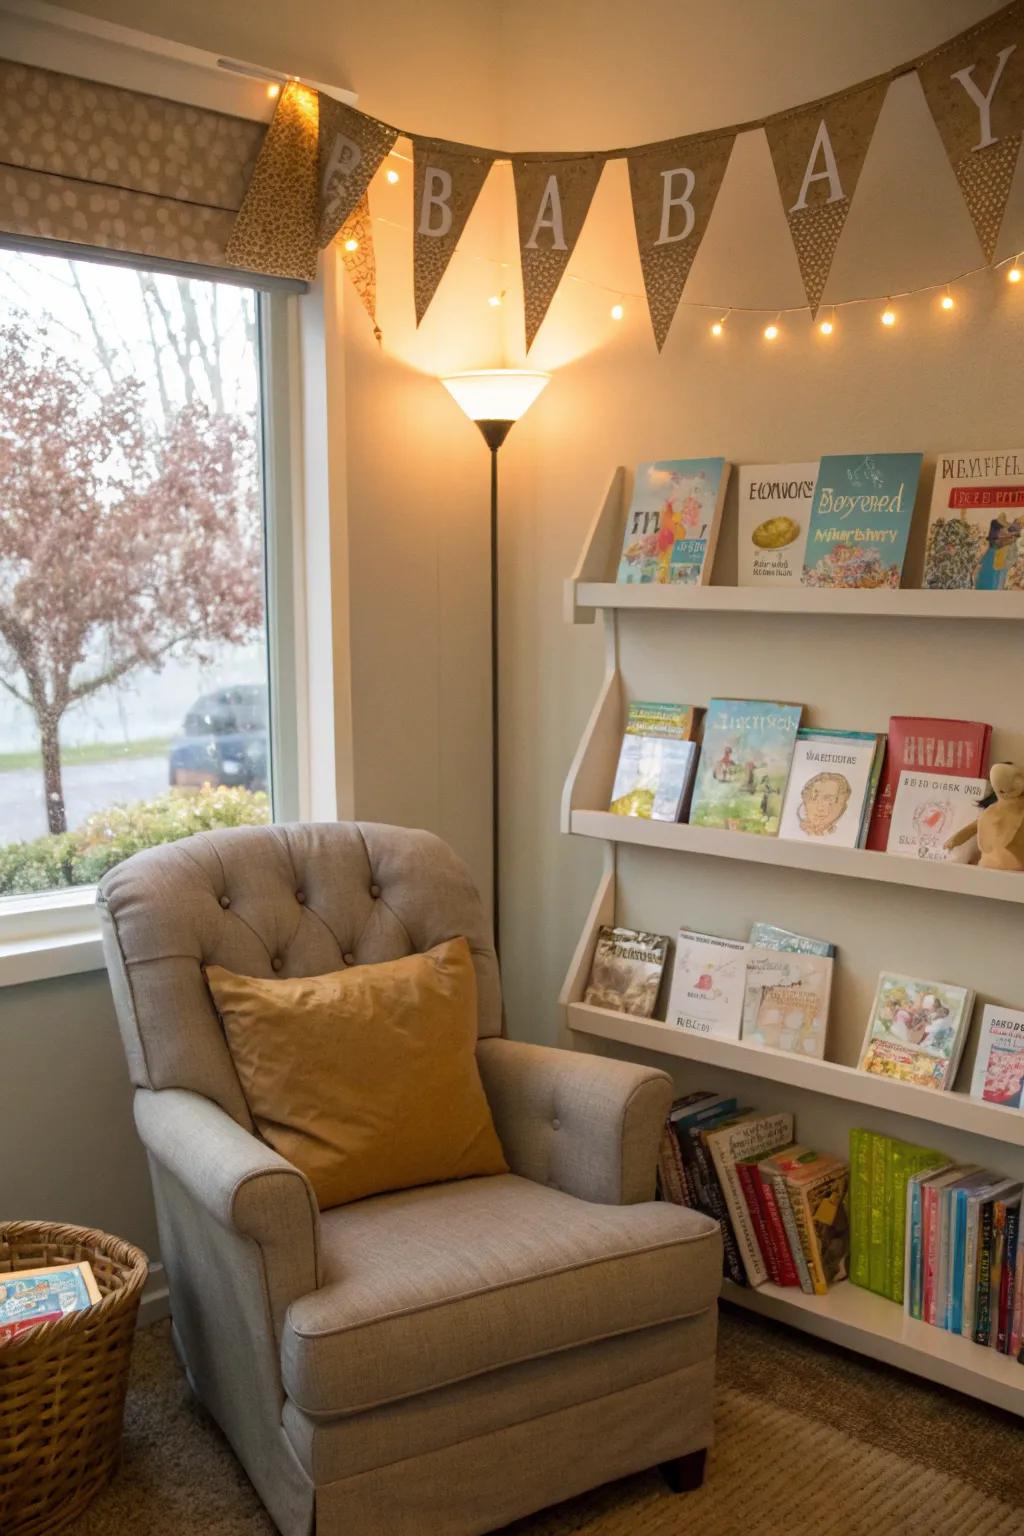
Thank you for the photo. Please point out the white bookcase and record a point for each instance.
(852, 659)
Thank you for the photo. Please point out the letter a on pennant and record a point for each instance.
(447, 182)
(553, 198)
(818, 154)
(975, 89)
(673, 187)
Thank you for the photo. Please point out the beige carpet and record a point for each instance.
(810, 1442)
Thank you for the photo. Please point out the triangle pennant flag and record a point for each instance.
(356, 240)
(975, 90)
(275, 229)
(350, 148)
(446, 184)
(818, 154)
(673, 187)
(553, 199)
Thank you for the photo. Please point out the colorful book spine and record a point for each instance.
(958, 1260)
(880, 1226)
(780, 1241)
(804, 1227)
(860, 1206)
(972, 1226)
(792, 1231)
(717, 1207)
(930, 1251)
(1018, 1297)
(750, 1184)
(983, 1287)
(1008, 1278)
(914, 1277)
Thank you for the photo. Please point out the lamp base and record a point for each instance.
(494, 433)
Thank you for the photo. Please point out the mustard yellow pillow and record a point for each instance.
(365, 1079)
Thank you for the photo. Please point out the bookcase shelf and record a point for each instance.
(958, 1111)
(781, 853)
(880, 603)
(875, 1326)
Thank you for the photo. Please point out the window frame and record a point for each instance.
(56, 933)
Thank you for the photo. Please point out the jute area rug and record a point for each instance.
(810, 1442)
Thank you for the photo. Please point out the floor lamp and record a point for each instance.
(495, 398)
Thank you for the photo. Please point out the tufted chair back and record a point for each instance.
(296, 900)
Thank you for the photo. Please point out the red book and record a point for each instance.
(780, 1243)
(956, 747)
(8, 1330)
(750, 1183)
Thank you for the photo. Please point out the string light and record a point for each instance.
(351, 244)
(771, 331)
(888, 314)
(617, 311)
(826, 327)
(718, 326)
(947, 301)
(496, 300)
(273, 90)
(1014, 274)
(391, 176)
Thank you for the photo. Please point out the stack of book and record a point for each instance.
(782, 1207)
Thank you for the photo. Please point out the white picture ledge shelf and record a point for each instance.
(781, 853)
(883, 602)
(956, 1110)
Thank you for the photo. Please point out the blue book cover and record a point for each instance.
(673, 521)
(745, 759)
(860, 519)
(768, 936)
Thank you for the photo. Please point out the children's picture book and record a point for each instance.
(774, 511)
(829, 785)
(958, 748)
(673, 521)
(31, 1296)
(998, 1075)
(708, 982)
(860, 519)
(917, 1030)
(819, 1195)
(928, 809)
(768, 936)
(656, 761)
(744, 765)
(626, 971)
(976, 522)
(786, 1000)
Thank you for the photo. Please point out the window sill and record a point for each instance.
(46, 936)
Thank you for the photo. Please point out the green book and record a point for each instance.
(879, 1224)
(907, 1160)
(860, 1205)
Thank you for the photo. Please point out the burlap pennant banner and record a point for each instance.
(975, 89)
(275, 231)
(673, 187)
(446, 185)
(553, 199)
(818, 155)
(350, 149)
(356, 240)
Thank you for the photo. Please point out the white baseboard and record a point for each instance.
(156, 1302)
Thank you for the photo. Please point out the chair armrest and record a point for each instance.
(240, 1182)
(586, 1124)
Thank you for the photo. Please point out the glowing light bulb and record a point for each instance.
(1014, 274)
(273, 90)
(392, 177)
(617, 311)
(351, 244)
(717, 328)
(496, 300)
(946, 302)
(826, 327)
(771, 332)
(888, 316)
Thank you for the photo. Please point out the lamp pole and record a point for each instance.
(494, 399)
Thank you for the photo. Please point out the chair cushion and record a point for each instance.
(434, 1285)
(365, 1079)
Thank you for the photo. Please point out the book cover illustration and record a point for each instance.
(998, 1075)
(928, 808)
(786, 1001)
(774, 511)
(673, 521)
(769, 936)
(826, 1201)
(976, 522)
(744, 765)
(860, 519)
(916, 1030)
(31, 1296)
(828, 787)
(656, 761)
(954, 747)
(626, 972)
(708, 982)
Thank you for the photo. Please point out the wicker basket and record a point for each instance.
(62, 1384)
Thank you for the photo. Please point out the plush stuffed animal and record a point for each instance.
(999, 829)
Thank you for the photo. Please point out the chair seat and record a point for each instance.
(426, 1287)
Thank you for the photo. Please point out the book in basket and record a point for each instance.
(31, 1296)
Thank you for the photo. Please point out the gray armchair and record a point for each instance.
(436, 1361)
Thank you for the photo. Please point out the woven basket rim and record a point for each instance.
(128, 1258)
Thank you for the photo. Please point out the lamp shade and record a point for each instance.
(495, 394)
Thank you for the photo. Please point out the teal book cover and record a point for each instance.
(744, 765)
(860, 519)
(673, 521)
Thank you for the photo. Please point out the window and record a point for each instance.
(134, 657)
